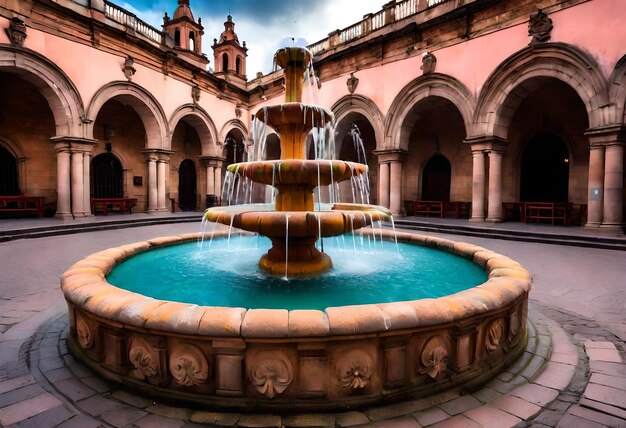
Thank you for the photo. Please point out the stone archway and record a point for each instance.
(545, 169)
(436, 179)
(201, 121)
(107, 177)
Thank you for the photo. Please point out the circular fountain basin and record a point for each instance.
(301, 360)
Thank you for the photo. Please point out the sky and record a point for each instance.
(265, 25)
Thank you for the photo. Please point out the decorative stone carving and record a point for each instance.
(434, 357)
(84, 332)
(539, 27)
(354, 370)
(143, 357)
(195, 94)
(238, 111)
(495, 334)
(514, 328)
(188, 365)
(271, 372)
(352, 83)
(429, 63)
(17, 32)
(128, 69)
(168, 62)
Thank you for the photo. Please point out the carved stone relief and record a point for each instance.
(84, 332)
(354, 370)
(143, 358)
(271, 372)
(434, 357)
(352, 83)
(539, 27)
(495, 334)
(188, 365)
(429, 63)
(128, 68)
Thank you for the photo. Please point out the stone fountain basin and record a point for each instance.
(311, 173)
(263, 219)
(302, 116)
(273, 360)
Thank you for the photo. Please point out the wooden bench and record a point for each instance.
(22, 204)
(440, 209)
(550, 211)
(457, 209)
(107, 205)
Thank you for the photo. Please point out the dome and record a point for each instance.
(183, 9)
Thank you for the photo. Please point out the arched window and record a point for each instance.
(187, 195)
(8, 174)
(225, 62)
(436, 179)
(238, 65)
(177, 38)
(106, 177)
(192, 41)
(545, 170)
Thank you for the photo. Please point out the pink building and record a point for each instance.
(493, 103)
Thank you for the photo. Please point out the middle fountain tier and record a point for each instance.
(293, 224)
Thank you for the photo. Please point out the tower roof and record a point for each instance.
(229, 31)
(183, 10)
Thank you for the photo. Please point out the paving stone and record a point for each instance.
(487, 395)
(459, 421)
(536, 394)
(51, 364)
(559, 405)
(603, 407)
(220, 419)
(431, 416)
(395, 410)
(534, 367)
(521, 363)
(131, 399)
(492, 417)
(156, 421)
(614, 381)
(404, 422)
(516, 406)
(169, 412)
(350, 419)
(609, 368)
(571, 359)
(123, 415)
(81, 421)
(610, 355)
(97, 384)
(569, 421)
(258, 421)
(50, 417)
(57, 375)
(27, 408)
(556, 375)
(74, 389)
(606, 394)
(97, 405)
(310, 420)
(598, 417)
(16, 383)
(591, 344)
(20, 394)
(460, 405)
(549, 417)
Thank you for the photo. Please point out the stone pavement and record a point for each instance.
(572, 374)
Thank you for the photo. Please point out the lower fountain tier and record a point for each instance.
(295, 171)
(297, 258)
(262, 219)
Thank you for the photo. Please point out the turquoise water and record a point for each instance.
(223, 273)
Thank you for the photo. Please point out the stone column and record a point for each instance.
(613, 187)
(87, 184)
(218, 181)
(595, 197)
(78, 192)
(494, 207)
(478, 186)
(63, 180)
(210, 180)
(395, 188)
(161, 190)
(152, 185)
(383, 188)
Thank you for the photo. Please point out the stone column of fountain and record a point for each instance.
(294, 226)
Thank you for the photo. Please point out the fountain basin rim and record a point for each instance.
(282, 114)
(84, 286)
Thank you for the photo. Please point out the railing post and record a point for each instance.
(422, 5)
(390, 12)
(333, 38)
(367, 24)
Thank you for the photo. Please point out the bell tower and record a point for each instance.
(185, 34)
(228, 55)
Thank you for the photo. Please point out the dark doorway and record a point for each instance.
(436, 179)
(106, 177)
(187, 197)
(8, 174)
(545, 170)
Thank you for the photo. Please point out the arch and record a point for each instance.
(397, 130)
(192, 41)
(56, 87)
(366, 107)
(544, 171)
(187, 186)
(177, 37)
(224, 62)
(505, 88)
(146, 106)
(617, 93)
(229, 126)
(238, 65)
(200, 120)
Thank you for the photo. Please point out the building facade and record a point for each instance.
(485, 101)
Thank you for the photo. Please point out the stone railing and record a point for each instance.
(392, 12)
(130, 20)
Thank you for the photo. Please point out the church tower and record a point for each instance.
(186, 34)
(228, 55)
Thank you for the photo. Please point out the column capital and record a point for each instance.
(73, 144)
(486, 143)
(606, 135)
(393, 155)
(214, 161)
(159, 155)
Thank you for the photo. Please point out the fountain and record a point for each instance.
(297, 359)
(293, 225)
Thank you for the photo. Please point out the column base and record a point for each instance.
(592, 226)
(63, 215)
(477, 219)
(616, 228)
(494, 220)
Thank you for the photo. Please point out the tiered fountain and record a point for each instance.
(294, 226)
(292, 358)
